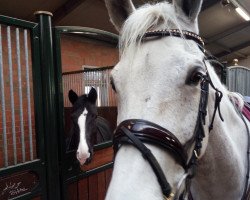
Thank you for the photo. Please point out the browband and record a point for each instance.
(177, 33)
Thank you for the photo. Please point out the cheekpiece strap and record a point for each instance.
(147, 154)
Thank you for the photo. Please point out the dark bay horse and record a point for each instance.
(87, 128)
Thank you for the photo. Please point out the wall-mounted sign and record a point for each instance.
(18, 184)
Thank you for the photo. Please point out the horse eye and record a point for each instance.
(195, 76)
(112, 84)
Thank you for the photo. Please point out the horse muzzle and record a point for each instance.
(83, 157)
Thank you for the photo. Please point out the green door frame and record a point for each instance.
(50, 101)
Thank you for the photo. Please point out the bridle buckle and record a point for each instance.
(171, 196)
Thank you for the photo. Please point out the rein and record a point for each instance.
(136, 131)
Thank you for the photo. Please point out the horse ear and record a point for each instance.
(119, 10)
(191, 8)
(92, 96)
(72, 96)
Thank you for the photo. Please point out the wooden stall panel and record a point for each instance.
(101, 157)
(101, 185)
(37, 198)
(83, 189)
(93, 187)
(108, 175)
(72, 191)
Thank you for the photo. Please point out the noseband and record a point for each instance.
(136, 131)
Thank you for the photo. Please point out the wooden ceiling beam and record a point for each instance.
(227, 49)
(233, 49)
(227, 32)
(65, 9)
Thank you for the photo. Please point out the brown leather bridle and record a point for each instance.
(137, 131)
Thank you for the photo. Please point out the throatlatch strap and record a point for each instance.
(218, 97)
(147, 154)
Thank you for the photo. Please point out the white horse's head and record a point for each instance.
(153, 82)
(159, 80)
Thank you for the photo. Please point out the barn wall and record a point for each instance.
(78, 51)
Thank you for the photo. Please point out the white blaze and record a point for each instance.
(83, 149)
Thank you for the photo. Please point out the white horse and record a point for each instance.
(154, 82)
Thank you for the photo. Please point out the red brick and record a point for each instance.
(77, 52)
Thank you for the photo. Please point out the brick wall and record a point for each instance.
(78, 51)
(16, 123)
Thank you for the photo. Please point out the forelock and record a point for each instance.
(148, 17)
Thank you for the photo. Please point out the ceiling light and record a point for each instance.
(240, 10)
(242, 13)
(235, 62)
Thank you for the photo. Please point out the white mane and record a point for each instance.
(147, 17)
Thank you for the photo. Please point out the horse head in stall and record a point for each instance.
(179, 133)
(88, 128)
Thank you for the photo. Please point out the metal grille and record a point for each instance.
(16, 128)
(238, 80)
(82, 81)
